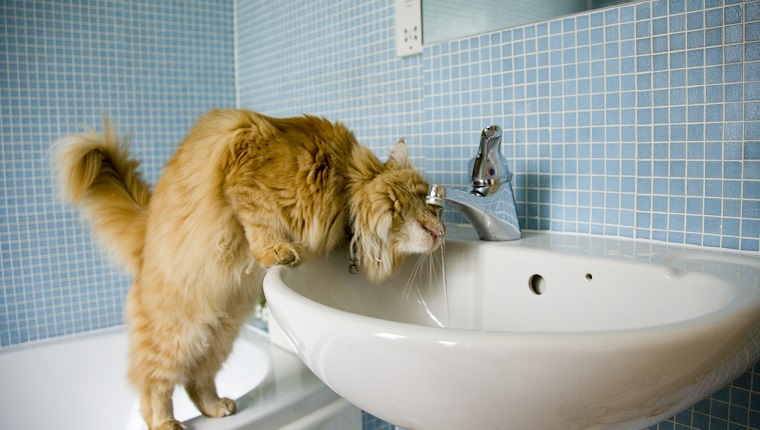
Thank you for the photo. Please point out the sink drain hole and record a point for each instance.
(537, 284)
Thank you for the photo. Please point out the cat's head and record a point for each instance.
(391, 219)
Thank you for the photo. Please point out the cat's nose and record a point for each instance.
(441, 233)
(436, 230)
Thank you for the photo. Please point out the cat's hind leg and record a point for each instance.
(154, 365)
(155, 382)
(201, 385)
(156, 407)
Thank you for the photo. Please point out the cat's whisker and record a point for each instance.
(424, 260)
(428, 287)
(436, 278)
(412, 282)
(427, 277)
(442, 253)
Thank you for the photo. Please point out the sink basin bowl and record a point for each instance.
(553, 331)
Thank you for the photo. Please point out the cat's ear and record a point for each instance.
(399, 155)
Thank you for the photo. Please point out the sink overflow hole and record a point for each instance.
(537, 284)
(589, 277)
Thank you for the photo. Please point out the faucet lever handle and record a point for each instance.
(490, 139)
(489, 168)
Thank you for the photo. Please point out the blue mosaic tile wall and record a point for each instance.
(637, 121)
(154, 68)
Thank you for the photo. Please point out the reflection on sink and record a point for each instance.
(553, 331)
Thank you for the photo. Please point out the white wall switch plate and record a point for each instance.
(408, 27)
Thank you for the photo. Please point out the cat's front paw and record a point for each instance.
(288, 254)
(284, 254)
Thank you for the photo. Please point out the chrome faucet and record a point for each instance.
(490, 204)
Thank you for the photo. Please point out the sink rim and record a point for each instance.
(743, 301)
(743, 296)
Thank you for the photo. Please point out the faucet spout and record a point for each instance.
(494, 217)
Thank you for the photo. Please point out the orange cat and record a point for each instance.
(243, 192)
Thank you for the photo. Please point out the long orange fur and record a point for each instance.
(242, 192)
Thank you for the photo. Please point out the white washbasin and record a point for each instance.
(622, 335)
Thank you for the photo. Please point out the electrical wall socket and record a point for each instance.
(408, 27)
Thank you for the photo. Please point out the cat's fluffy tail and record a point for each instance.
(97, 173)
